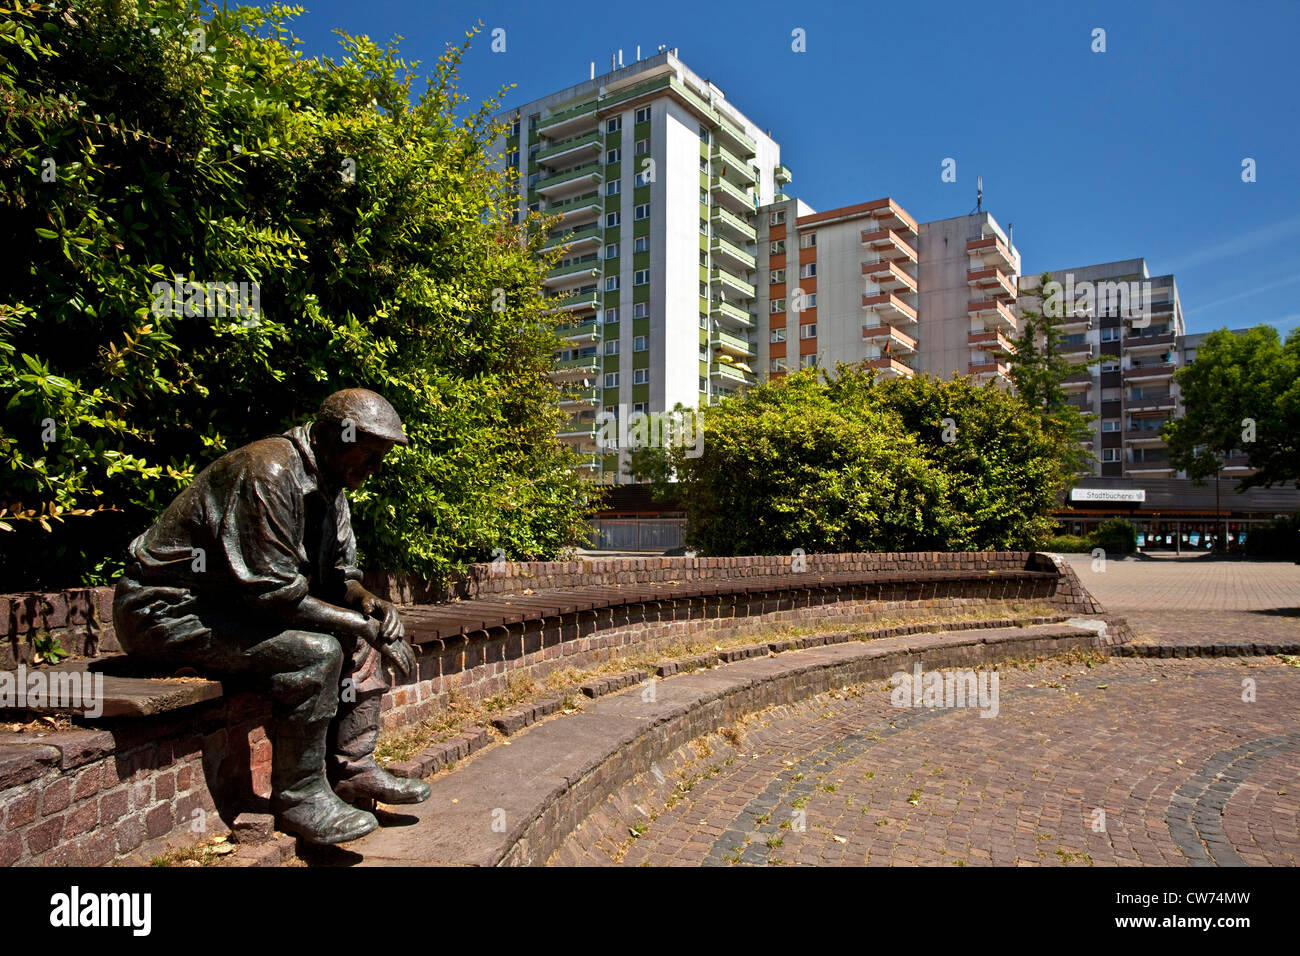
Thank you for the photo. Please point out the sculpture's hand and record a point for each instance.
(375, 607)
(399, 654)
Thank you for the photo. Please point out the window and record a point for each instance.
(1111, 454)
(777, 305)
(642, 147)
(611, 315)
(611, 283)
(704, 164)
(612, 410)
(514, 127)
(614, 125)
(534, 206)
(611, 347)
(641, 277)
(704, 135)
(641, 244)
(639, 408)
(1110, 335)
(809, 301)
(613, 187)
(704, 258)
(611, 379)
(640, 343)
(534, 150)
(808, 240)
(778, 365)
(612, 219)
(1112, 366)
(613, 156)
(1110, 424)
(641, 376)
(776, 218)
(778, 247)
(643, 179)
(808, 270)
(1111, 394)
(808, 361)
(778, 335)
(643, 115)
(532, 120)
(512, 158)
(776, 275)
(611, 251)
(642, 211)
(808, 331)
(704, 353)
(641, 310)
(704, 321)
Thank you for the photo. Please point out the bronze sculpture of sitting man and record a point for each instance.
(251, 572)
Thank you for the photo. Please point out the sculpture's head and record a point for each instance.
(354, 430)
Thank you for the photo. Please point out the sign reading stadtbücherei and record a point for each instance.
(1108, 494)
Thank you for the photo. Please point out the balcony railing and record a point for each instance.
(891, 306)
(572, 333)
(573, 144)
(580, 300)
(723, 370)
(782, 174)
(575, 237)
(590, 172)
(737, 195)
(735, 253)
(890, 368)
(728, 220)
(740, 285)
(735, 166)
(879, 334)
(733, 313)
(888, 244)
(888, 275)
(991, 248)
(733, 344)
(1160, 370)
(582, 111)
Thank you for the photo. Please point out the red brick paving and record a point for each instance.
(1018, 789)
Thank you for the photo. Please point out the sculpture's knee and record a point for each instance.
(309, 681)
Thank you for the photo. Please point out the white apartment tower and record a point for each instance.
(658, 180)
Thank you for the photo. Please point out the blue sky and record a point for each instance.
(1093, 157)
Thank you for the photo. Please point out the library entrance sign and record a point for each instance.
(1128, 495)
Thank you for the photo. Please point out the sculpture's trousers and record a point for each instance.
(325, 692)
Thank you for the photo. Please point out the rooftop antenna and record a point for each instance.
(979, 193)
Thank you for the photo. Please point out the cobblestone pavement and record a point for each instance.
(1193, 600)
(1184, 771)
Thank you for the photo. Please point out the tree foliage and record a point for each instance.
(1039, 369)
(856, 464)
(1241, 394)
(152, 141)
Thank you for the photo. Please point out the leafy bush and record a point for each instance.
(149, 140)
(860, 465)
(1115, 536)
(1066, 544)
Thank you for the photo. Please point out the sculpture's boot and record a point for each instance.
(302, 800)
(353, 769)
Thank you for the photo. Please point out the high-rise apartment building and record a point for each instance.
(658, 180)
(1131, 323)
(869, 284)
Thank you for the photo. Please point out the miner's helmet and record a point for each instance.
(368, 412)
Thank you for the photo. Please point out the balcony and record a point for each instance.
(993, 314)
(887, 274)
(992, 252)
(731, 314)
(732, 255)
(572, 272)
(590, 174)
(567, 121)
(733, 345)
(989, 371)
(1139, 373)
(733, 224)
(991, 283)
(576, 238)
(731, 196)
(587, 366)
(890, 368)
(888, 338)
(990, 341)
(739, 170)
(566, 151)
(1150, 403)
(889, 309)
(889, 215)
(782, 175)
(581, 397)
(737, 284)
(590, 462)
(578, 209)
(580, 427)
(583, 334)
(1163, 342)
(576, 302)
(728, 373)
(734, 138)
(1143, 436)
(1080, 350)
(888, 244)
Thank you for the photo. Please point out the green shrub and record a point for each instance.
(1278, 539)
(1066, 544)
(151, 139)
(1115, 536)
